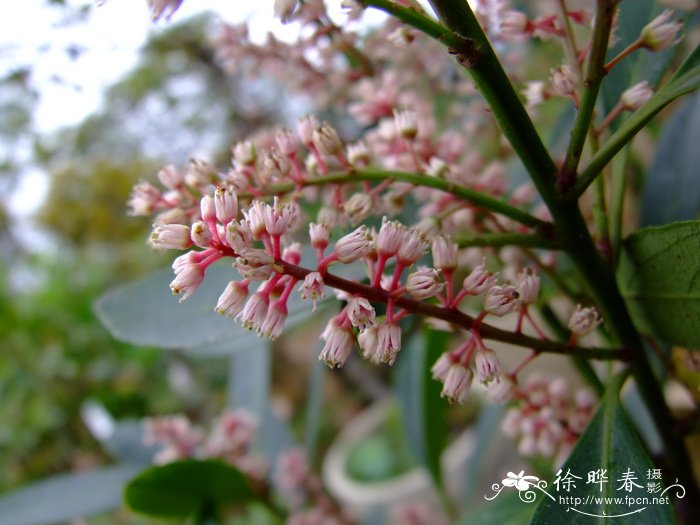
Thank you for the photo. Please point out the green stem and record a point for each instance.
(477, 55)
(457, 317)
(476, 198)
(591, 87)
(505, 239)
(617, 202)
(627, 131)
(600, 209)
(415, 19)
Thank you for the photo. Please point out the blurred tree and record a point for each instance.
(55, 353)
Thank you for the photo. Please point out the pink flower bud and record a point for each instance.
(514, 24)
(528, 285)
(273, 325)
(563, 81)
(535, 93)
(391, 236)
(239, 236)
(487, 366)
(406, 122)
(458, 382)
(354, 245)
(226, 205)
(412, 248)
(287, 142)
(170, 177)
(232, 299)
(144, 199)
(401, 37)
(388, 342)
(292, 253)
(510, 424)
(584, 320)
(358, 154)
(255, 264)
(188, 277)
(368, 341)
(171, 237)
(661, 33)
(424, 283)
(201, 235)
(444, 253)
(502, 391)
(358, 207)
(306, 127)
(277, 217)
(201, 174)
(255, 311)
(479, 280)
(275, 166)
(360, 312)
(312, 288)
(502, 300)
(255, 215)
(208, 208)
(636, 96)
(442, 366)
(437, 168)
(339, 345)
(326, 140)
(244, 153)
(320, 235)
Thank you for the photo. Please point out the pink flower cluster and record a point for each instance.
(547, 420)
(230, 439)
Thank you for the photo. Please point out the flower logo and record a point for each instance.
(519, 481)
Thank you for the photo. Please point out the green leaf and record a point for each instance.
(249, 389)
(610, 443)
(659, 276)
(506, 510)
(59, 499)
(185, 488)
(146, 313)
(419, 397)
(672, 188)
(314, 407)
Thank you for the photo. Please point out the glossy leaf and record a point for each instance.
(505, 510)
(185, 488)
(672, 188)
(59, 499)
(126, 443)
(610, 443)
(146, 313)
(419, 397)
(659, 276)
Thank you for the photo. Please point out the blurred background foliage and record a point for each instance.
(79, 242)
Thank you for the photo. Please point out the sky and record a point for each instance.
(70, 89)
(33, 33)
